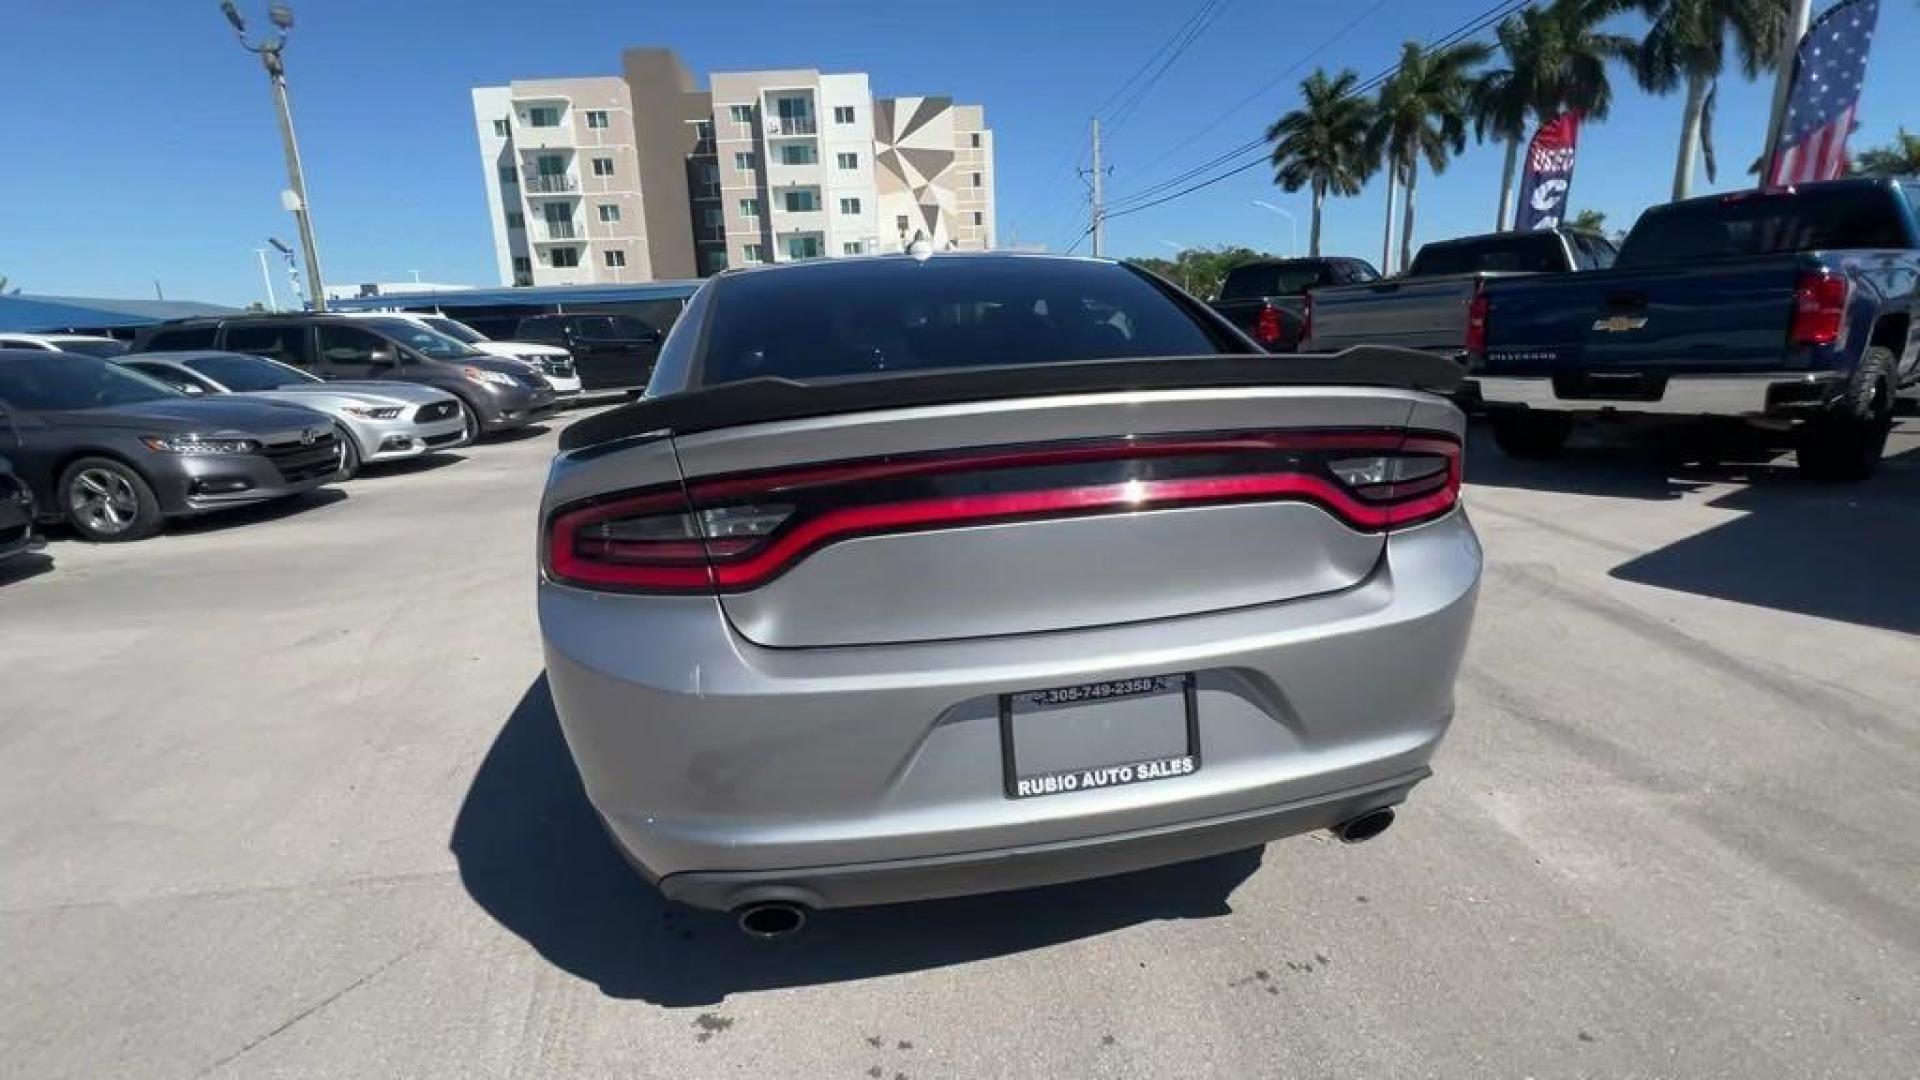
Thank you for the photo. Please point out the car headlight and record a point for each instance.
(196, 444)
(497, 378)
(372, 412)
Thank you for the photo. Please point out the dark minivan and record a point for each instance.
(495, 394)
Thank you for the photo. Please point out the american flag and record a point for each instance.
(1827, 73)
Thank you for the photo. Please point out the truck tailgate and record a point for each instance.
(1418, 313)
(1723, 317)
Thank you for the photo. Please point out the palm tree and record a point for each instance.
(1422, 113)
(1901, 157)
(1686, 45)
(1556, 62)
(1323, 144)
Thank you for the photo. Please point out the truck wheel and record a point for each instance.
(107, 502)
(1846, 445)
(1528, 434)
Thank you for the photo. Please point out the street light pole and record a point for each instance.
(1293, 227)
(273, 302)
(1798, 18)
(269, 50)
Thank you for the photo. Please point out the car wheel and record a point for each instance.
(1847, 444)
(350, 458)
(107, 502)
(470, 429)
(1527, 434)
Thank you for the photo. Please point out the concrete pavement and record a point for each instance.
(282, 795)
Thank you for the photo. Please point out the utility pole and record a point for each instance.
(1099, 199)
(269, 53)
(1797, 21)
(273, 302)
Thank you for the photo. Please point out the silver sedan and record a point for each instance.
(386, 420)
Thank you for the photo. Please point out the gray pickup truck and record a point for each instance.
(1437, 304)
(1267, 299)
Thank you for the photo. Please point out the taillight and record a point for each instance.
(1819, 308)
(1267, 329)
(1477, 322)
(738, 532)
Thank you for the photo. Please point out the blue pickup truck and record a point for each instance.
(1791, 309)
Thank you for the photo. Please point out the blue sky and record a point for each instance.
(144, 142)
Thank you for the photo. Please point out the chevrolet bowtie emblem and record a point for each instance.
(1614, 324)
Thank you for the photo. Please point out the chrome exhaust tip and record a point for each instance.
(1365, 827)
(772, 921)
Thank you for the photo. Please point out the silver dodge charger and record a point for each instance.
(914, 577)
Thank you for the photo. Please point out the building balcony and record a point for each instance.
(527, 137)
(783, 126)
(556, 232)
(710, 234)
(553, 184)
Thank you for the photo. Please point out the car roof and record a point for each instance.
(867, 262)
(24, 336)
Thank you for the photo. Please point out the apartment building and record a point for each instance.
(647, 177)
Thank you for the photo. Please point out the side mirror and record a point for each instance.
(384, 356)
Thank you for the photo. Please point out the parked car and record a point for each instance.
(552, 363)
(1439, 303)
(944, 616)
(16, 513)
(612, 352)
(84, 344)
(1267, 299)
(381, 421)
(494, 394)
(114, 453)
(1789, 309)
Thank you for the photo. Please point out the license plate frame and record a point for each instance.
(1114, 775)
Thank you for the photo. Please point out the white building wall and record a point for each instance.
(492, 103)
(836, 138)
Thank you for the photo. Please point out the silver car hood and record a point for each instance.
(372, 391)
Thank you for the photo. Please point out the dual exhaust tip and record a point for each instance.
(777, 920)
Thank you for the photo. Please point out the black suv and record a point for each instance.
(610, 351)
(494, 394)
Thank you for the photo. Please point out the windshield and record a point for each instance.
(91, 347)
(1748, 224)
(428, 343)
(242, 373)
(53, 381)
(1273, 279)
(1538, 253)
(886, 315)
(454, 329)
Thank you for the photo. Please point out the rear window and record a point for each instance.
(185, 339)
(890, 315)
(1748, 224)
(1273, 279)
(1516, 253)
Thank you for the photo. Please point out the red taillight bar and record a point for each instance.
(1266, 329)
(1819, 308)
(1477, 321)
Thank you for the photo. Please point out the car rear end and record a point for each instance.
(16, 513)
(911, 635)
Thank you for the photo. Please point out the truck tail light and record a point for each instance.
(1477, 321)
(1266, 330)
(1819, 308)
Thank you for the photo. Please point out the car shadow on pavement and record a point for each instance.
(413, 466)
(27, 564)
(1840, 552)
(512, 435)
(532, 853)
(256, 513)
(1631, 462)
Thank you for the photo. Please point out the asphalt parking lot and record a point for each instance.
(281, 794)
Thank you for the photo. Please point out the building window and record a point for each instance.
(976, 179)
(703, 136)
(975, 139)
(516, 220)
(979, 218)
(616, 259)
(603, 166)
(609, 212)
(853, 248)
(502, 128)
(715, 258)
(522, 265)
(596, 118)
(744, 160)
(543, 116)
(798, 154)
(509, 174)
(741, 114)
(750, 208)
(803, 247)
(849, 161)
(849, 206)
(801, 201)
(566, 257)
(843, 114)
(753, 253)
(900, 224)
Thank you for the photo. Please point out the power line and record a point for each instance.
(1150, 197)
(1202, 22)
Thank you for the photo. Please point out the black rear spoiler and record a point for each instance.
(759, 401)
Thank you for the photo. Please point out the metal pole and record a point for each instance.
(273, 302)
(1099, 203)
(1798, 19)
(303, 214)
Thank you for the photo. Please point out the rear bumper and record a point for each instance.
(729, 772)
(1761, 394)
